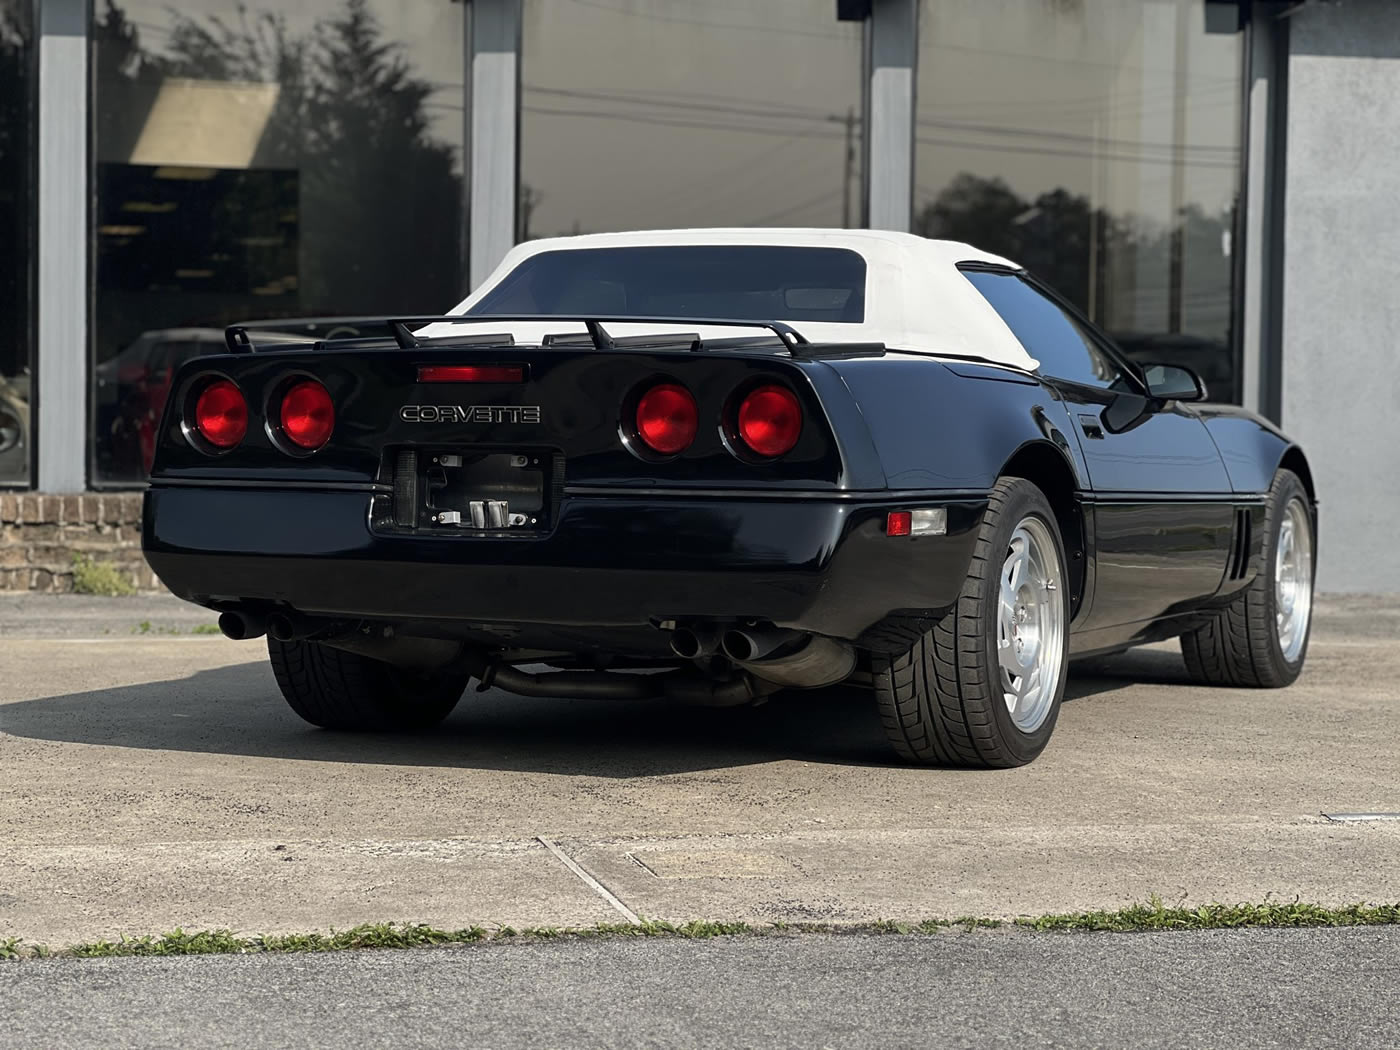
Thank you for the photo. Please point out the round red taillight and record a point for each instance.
(308, 416)
(770, 420)
(221, 414)
(667, 419)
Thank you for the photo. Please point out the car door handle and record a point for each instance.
(1091, 427)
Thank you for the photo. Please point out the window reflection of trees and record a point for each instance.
(15, 160)
(347, 204)
(379, 203)
(1104, 263)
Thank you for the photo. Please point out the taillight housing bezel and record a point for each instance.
(189, 423)
(630, 432)
(272, 415)
(734, 440)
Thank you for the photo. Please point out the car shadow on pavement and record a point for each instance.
(238, 710)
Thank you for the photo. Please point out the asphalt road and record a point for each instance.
(1242, 989)
(153, 780)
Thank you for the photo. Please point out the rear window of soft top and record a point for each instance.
(751, 282)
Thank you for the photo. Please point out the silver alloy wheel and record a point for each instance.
(1293, 579)
(1030, 624)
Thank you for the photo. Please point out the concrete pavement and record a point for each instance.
(1243, 989)
(150, 782)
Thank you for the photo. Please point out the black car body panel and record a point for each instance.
(613, 563)
(1157, 501)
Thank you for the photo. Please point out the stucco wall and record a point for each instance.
(1341, 311)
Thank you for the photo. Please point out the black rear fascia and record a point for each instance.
(582, 394)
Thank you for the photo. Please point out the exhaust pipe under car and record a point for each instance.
(745, 644)
(693, 643)
(283, 628)
(240, 626)
(679, 686)
(295, 627)
(802, 661)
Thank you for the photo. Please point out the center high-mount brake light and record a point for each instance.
(221, 414)
(307, 415)
(770, 420)
(471, 374)
(667, 419)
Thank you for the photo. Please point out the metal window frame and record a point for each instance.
(494, 31)
(889, 85)
(1264, 142)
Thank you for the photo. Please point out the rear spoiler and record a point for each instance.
(240, 341)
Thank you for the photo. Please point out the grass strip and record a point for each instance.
(1153, 916)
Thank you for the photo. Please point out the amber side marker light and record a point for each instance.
(928, 521)
(471, 374)
(221, 414)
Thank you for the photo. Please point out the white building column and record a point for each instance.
(493, 62)
(892, 58)
(62, 351)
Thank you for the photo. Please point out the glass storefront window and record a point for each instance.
(653, 114)
(1097, 143)
(16, 237)
(268, 159)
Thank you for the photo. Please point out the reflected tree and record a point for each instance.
(1050, 235)
(977, 211)
(1117, 269)
(378, 213)
(379, 192)
(14, 187)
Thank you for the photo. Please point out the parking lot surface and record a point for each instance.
(1242, 989)
(155, 779)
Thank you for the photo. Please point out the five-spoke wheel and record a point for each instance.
(983, 687)
(1261, 637)
(1030, 624)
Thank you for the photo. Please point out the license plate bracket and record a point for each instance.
(460, 490)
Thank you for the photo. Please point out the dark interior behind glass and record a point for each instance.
(746, 282)
(16, 160)
(294, 160)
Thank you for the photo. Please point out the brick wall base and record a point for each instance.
(40, 534)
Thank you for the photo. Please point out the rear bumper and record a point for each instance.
(611, 561)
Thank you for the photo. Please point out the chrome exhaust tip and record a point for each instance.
(240, 626)
(693, 643)
(684, 643)
(803, 661)
(743, 644)
(283, 628)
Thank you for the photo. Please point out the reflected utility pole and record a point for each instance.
(1176, 265)
(850, 175)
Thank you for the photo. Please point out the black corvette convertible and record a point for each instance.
(705, 466)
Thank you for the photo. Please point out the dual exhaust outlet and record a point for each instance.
(284, 627)
(773, 654)
(784, 657)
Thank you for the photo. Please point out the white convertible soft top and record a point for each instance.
(915, 297)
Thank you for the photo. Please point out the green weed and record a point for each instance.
(1151, 916)
(99, 578)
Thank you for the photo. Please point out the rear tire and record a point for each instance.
(1261, 638)
(336, 689)
(945, 701)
